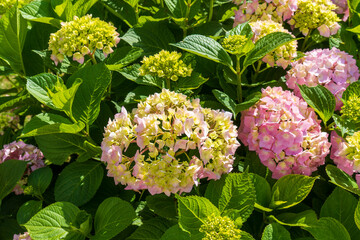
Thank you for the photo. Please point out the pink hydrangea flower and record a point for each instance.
(150, 147)
(25, 152)
(342, 8)
(333, 69)
(285, 133)
(24, 236)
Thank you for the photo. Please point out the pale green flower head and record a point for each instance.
(5, 5)
(353, 150)
(234, 44)
(220, 228)
(81, 37)
(351, 109)
(166, 65)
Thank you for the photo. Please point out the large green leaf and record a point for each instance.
(320, 99)
(112, 216)
(122, 57)
(40, 11)
(205, 47)
(151, 229)
(81, 7)
(13, 30)
(122, 10)
(342, 179)
(241, 29)
(275, 231)
(262, 189)
(63, 8)
(341, 205)
(132, 73)
(290, 190)
(56, 221)
(49, 123)
(225, 100)
(10, 173)
(328, 229)
(28, 210)
(162, 205)
(266, 45)
(192, 82)
(39, 85)
(357, 215)
(39, 180)
(193, 211)
(175, 233)
(78, 182)
(86, 105)
(301, 219)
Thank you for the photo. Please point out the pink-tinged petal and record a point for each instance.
(265, 155)
(180, 144)
(285, 138)
(188, 125)
(294, 149)
(324, 30)
(266, 140)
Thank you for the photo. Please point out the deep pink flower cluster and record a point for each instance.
(285, 133)
(167, 143)
(343, 8)
(25, 152)
(334, 69)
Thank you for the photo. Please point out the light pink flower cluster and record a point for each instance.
(25, 152)
(346, 153)
(24, 236)
(276, 10)
(342, 8)
(168, 143)
(285, 133)
(333, 69)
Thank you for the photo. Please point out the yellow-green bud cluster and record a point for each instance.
(220, 228)
(353, 149)
(5, 5)
(312, 14)
(166, 65)
(234, 43)
(81, 37)
(351, 109)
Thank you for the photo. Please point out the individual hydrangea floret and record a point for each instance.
(342, 8)
(316, 14)
(150, 147)
(24, 152)
(283, 55)
(82, 37)
(333, 69)
(166, 65)
(234, 43)
(24, 236)
(275, 10)
(219, 228)
(346, 153)
(5, 5)
(285, 133)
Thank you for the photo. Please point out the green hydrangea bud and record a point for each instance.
(353, 150)
(5, 5)
(350, 110)
(81, 37)
(220, 228)
(166, 65)
(234, 44)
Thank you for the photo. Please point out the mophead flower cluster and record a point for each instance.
(82, 37)
(331, 68)
(285, 133)
(167, 143)
(166, 65)
(346, 153)
(24, 152)
(283, 55)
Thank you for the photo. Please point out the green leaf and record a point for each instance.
(16, 102)
(290, 190)
(40, 11)
(341, 206)
(275, 231)
(192, 82)
(132, 73)
(193, 211)
(122, 10)
(266, 45)
(342, 179)
(352, 89)
(177, 8)
(56, 221)
(345, 126)
(248, 103)
(63, 9)
(28, 210)
(357, 215)
(122, 57)
(320, 99)
(241, 29)
(11, 172)
(81, 7)
(86, 105)
(224, 99)
(205, 47)
(48, 123)
(175, 233)
(328, 229)
(112, 216)
(302, 219)
(13, 30)
(39, 85)
(40, 179)
(78, 182)
(151, 229)
(162, 205)
(262, 189)
(152, 37)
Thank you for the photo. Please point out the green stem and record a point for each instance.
(307, 37)
(186, 20)
(257, 70)
(92, 56)
(238, 74)
(168, 83)
(211, 10)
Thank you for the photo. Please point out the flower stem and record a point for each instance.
(168, 83)
(238, 74)
(186, 20)
(92, 56)
(211, 10)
